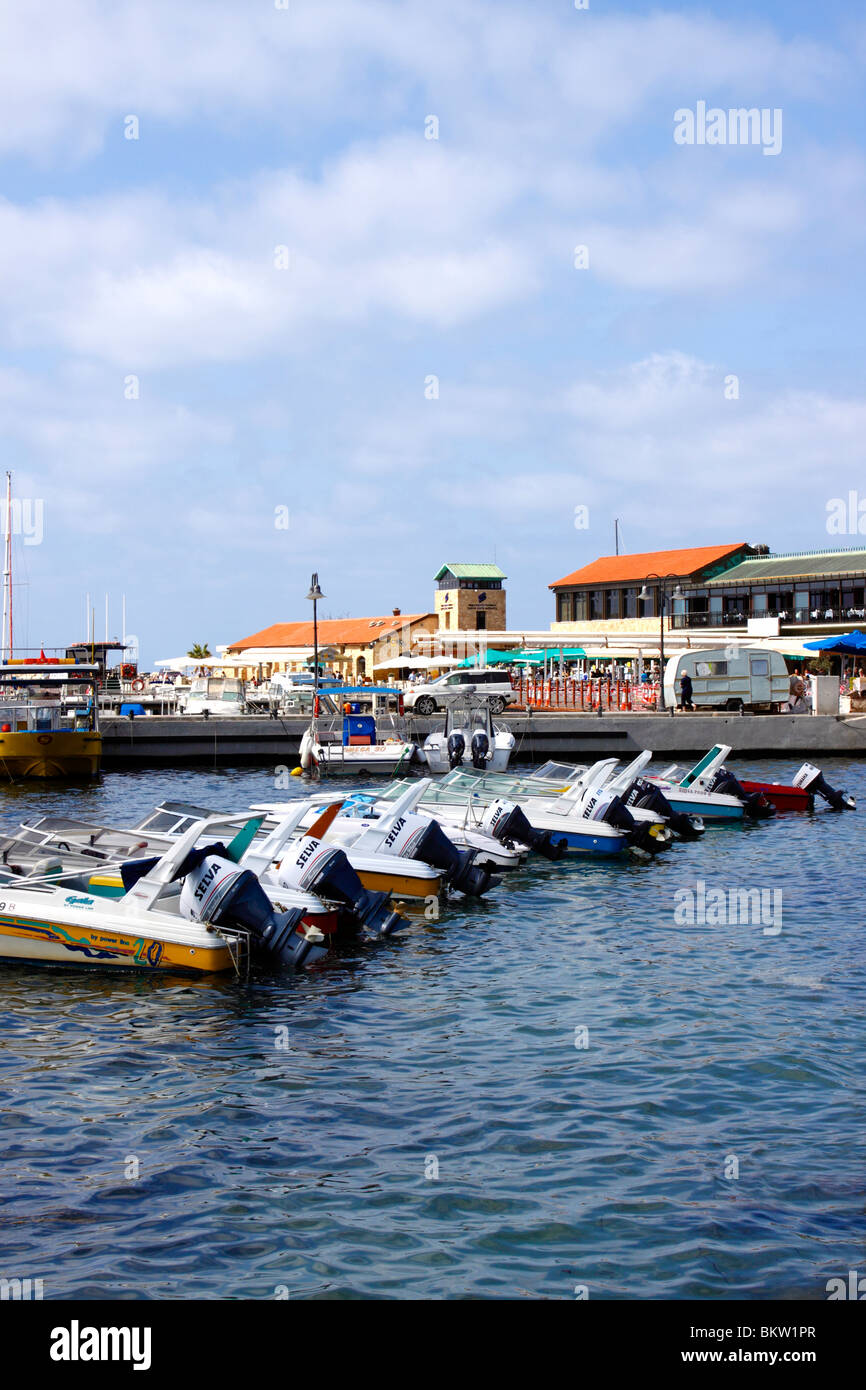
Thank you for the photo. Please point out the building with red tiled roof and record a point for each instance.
(353, 647)
(607, 589)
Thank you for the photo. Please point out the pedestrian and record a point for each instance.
(686, 691)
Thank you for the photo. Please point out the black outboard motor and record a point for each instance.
(755, 803)
(644, 835)
(647, 796)
(456, 749)
(422, 838)
(480, 747)
(506, 821)
(326, 871)
(811, 779)
(217, 892)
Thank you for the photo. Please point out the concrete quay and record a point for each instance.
(174, 740)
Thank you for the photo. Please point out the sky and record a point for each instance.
(293, 286)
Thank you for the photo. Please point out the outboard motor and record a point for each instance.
(456, 749)
(325, 871)
(215, 891)
(420, 837)
(479, 748)
(506, 822)
(756, 804)
(646, 836)
(646, 796)
(811, 779)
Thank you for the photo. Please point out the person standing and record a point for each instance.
(686, 691)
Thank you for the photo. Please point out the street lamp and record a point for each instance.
(663, 598)
(314, 595)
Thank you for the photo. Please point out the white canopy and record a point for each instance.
(417, 663)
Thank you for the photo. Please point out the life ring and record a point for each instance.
(43, 738)
(138, 685)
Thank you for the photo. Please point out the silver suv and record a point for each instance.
(493, 686)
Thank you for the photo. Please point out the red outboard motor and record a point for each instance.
(506, 822)
(456, 749)
(479, 748)
(646, 796)
(811, 779)
(755, 803)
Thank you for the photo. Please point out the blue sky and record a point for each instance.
(261, 388)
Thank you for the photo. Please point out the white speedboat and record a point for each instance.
(356, 729)
(193, 910)
(469, 738)
(213, 697)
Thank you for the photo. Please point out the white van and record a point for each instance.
(491, 684)
(731, 678)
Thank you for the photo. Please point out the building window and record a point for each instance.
(596, 604)
(611, 603)
(629, 603)
(564, 604)
(579, 606)
(480, 622)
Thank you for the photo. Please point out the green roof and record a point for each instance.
(806, 564)
(472, 572)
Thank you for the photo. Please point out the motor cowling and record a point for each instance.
(603, 805)
(479, 749)
(325, 870)
(755, 804)
(422, 838)
(506, 822)
(645, 796)
(456, 749)
(215, 891)
(811, 779)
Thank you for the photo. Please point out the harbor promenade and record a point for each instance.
(188, 740)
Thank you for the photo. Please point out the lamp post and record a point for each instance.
(314, 595)
(663, 599)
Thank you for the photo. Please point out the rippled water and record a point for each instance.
(311, 1170)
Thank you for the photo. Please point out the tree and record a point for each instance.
(200, 651)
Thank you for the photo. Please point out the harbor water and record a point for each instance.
(563, 1090)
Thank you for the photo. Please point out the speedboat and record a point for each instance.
(591, 820)
(213, 697)
(399, 850)
(193, 910)
(468, 739)
(344, 738)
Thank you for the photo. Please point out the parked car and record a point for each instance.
(494, 685)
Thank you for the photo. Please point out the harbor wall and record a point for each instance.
(176, 740)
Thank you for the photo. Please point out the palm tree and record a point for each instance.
(200, 651)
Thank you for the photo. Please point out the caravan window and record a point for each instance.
(760, 666)
(711, 668)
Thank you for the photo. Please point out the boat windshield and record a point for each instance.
(554, 772)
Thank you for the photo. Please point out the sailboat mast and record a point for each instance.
(6, 649)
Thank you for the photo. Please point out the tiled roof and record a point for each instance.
(472, 572)
(333, 632)
(626, 569)
(820, 563)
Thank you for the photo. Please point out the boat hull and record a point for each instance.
(399, 885)
(783, 798)
(25, 940)
(62, 753)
